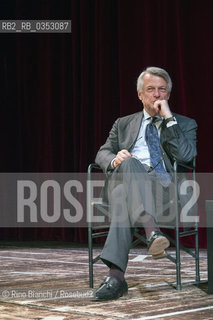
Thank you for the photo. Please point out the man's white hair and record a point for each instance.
(156, 72)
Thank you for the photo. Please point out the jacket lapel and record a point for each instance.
(134, 127)
(165, 158)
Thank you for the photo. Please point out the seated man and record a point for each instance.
(141, 148)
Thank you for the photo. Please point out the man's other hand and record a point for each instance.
(121, 155)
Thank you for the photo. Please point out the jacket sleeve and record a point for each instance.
(180, 141)
(108, 151)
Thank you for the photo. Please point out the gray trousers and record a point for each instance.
(132, 191)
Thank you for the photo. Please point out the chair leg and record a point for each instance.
(90, 257)
(177, 230)
(91, 275)
(197, 266)
(178, 273)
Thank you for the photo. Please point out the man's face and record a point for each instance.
(154, 88)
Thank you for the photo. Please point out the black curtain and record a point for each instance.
(61, 93)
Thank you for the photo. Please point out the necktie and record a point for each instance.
(156, 157)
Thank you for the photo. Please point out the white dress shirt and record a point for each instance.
(141, 150)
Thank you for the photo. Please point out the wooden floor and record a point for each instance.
(51, 283)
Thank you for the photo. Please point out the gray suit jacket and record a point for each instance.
(178, 141)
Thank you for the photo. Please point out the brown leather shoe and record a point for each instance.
(157, 243)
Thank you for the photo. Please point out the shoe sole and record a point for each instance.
(110, 299)
(162, 255)
(158, 246)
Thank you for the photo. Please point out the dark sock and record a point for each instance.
(116, 273)
(149, 224)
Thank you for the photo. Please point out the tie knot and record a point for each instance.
(155, 119)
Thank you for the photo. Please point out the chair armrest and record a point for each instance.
(190, 165)
(93, 166)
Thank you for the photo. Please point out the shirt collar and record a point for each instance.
(147, 116)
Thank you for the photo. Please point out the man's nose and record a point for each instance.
(157, 93)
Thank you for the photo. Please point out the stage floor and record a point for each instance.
(50, 282)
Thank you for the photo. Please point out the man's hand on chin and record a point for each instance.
(162, 108)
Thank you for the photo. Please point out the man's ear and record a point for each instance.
(140, 95)
(168, 96)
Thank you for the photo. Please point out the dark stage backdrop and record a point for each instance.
(61, 93)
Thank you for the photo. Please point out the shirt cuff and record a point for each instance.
(171, 124)
(111, 164)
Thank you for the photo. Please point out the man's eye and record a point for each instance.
(162, 89)
(149, 89)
